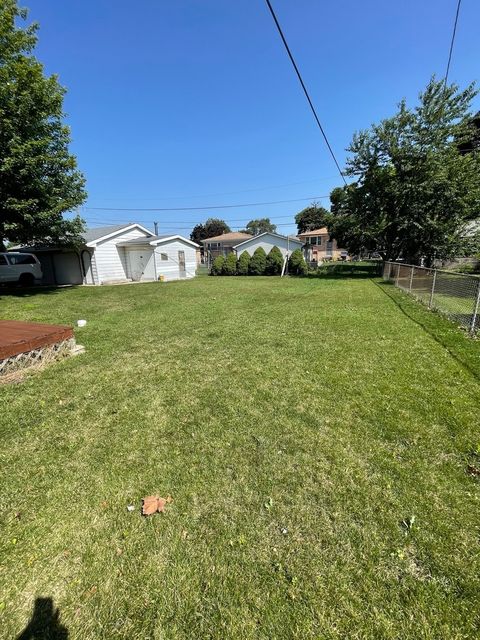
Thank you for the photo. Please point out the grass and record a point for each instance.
(298, 424)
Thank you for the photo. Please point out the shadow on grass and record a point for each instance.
(462, 348)
(28, 292)
(44, 623)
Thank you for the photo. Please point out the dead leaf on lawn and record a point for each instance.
(152, 504)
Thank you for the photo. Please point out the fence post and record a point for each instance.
(398, 274)
(433, 288)
(411, 280)
(476, 309)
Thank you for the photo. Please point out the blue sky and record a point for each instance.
(189, 103)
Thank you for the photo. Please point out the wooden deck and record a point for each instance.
(20, 337)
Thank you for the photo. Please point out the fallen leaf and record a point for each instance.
(152, 504)
(169, 499)
(130, 507)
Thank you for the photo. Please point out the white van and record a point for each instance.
(20, 268)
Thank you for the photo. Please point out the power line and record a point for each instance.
(224, 193)
(223, 206)
(174, 227)
(305, 89)
(452, 41)
(175, 222)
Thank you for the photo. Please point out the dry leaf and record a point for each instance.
(152, 504)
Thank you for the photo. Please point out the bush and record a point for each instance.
(217, 266)
(274, 262)
(258, 262)
(230, 265)
(243, 264)
(296, 263)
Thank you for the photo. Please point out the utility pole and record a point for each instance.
(155, 224)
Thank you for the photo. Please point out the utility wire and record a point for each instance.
(223, 206)
(304, 89)
(175, 222)
(451, 43)
(214, 195)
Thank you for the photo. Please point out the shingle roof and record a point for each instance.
(232, 236)
(95, 233)
(315, 232)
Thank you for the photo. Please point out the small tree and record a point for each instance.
(230, 265)
(258, 262)
(274, 262)
(217, 266)
(296, 263)
(243, 264)
(261, 225)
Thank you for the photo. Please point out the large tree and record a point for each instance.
(209, 229)
(313, 217)
(415, 193)
(260, 225)
(39, 180)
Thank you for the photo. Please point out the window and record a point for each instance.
(21, 258)
(3, 260)
(315, 240)
(164, 256)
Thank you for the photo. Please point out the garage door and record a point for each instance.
(67, 268)
(140, 264)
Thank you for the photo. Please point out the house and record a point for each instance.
(319, 247)
(223, 245)
(118, 253)
(267, 240)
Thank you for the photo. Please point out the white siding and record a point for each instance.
(110, 259)
(170, 267)
(267, 242)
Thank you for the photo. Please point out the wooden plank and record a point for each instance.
(19, 337)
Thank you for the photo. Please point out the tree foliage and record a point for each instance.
(217, 266)
(296, 263)
(313, 217)
(230, 265)
(274, 262)
(415, 192)
(39, 179)
(258, 262)
(243, 264)
(261, 225)
(209, 229)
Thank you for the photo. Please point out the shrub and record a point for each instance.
(296, 263)
(258, 262)
(243, 263)
(217, 266)
(230, 265)
(274, 262)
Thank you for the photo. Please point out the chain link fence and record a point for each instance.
(453, 294)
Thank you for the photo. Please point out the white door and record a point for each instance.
(140, 262)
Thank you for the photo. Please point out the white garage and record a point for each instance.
(119, 253)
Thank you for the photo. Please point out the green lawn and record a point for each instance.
(296, 423)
